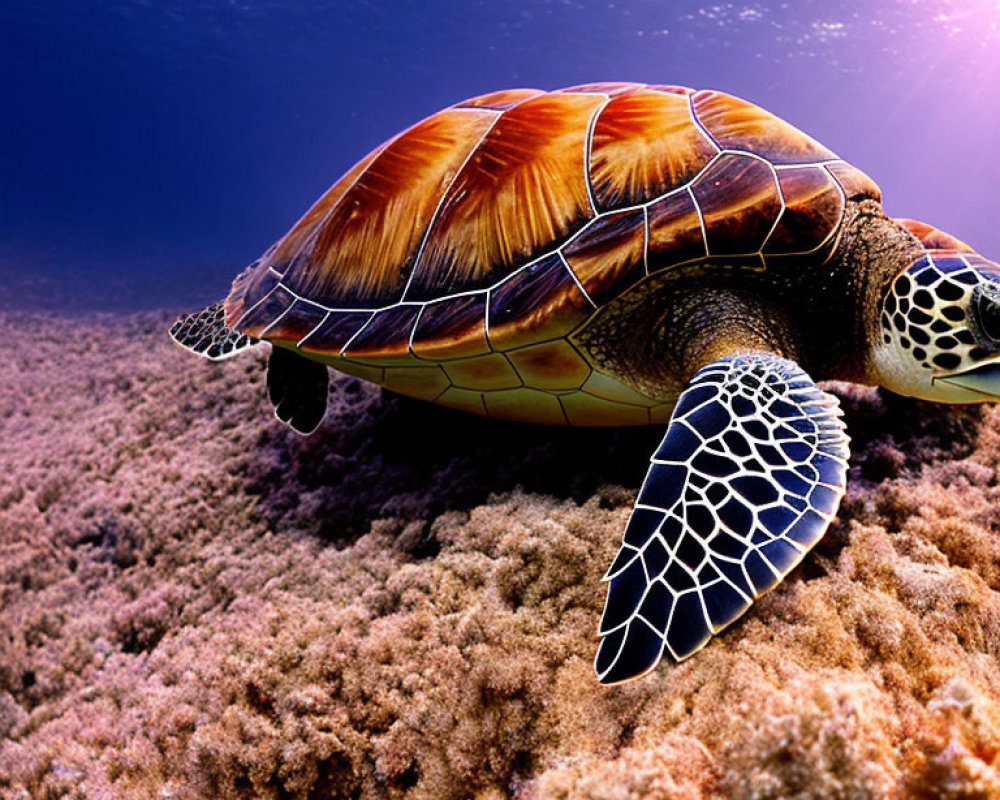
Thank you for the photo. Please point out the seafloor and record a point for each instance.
(196, 603)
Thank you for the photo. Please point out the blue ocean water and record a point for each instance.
(149, 148)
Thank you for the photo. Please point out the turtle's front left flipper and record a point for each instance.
(746, 480)
(298, 389)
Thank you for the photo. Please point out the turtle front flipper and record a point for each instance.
(205, 332)
(746, 480)
(298, 389)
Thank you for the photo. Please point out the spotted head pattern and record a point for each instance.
(940, 318)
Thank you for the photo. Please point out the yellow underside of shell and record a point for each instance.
(548, 383)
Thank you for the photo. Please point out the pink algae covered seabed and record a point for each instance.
(196, 603)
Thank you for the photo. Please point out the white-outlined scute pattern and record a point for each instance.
(746, 480)
(653, 262)
(279, 300)
(206, 334)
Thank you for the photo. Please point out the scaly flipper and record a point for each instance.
(298, 389)
(206, 334)
(746, 480)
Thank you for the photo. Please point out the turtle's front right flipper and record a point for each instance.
(205, 333)
(746, 480)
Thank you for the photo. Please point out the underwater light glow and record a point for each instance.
(183, 136)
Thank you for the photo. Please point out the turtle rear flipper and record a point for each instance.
(746, 480)
(298, 389)
(205, 333)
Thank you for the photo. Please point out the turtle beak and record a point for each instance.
(982, 383)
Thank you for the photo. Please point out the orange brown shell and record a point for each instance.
(934, 240)
(483, 236)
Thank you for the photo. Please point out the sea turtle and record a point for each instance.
(627, 254)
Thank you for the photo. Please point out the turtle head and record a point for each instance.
(939, 336)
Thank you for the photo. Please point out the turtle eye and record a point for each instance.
(985, 309)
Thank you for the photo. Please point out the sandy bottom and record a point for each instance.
(196, 603)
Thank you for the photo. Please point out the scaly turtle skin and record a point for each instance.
(621, 254)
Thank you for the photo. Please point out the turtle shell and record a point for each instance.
(455, 261)
(933, 239)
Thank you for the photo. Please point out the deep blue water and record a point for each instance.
(150, 148)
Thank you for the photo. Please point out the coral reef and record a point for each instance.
(196, 603)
